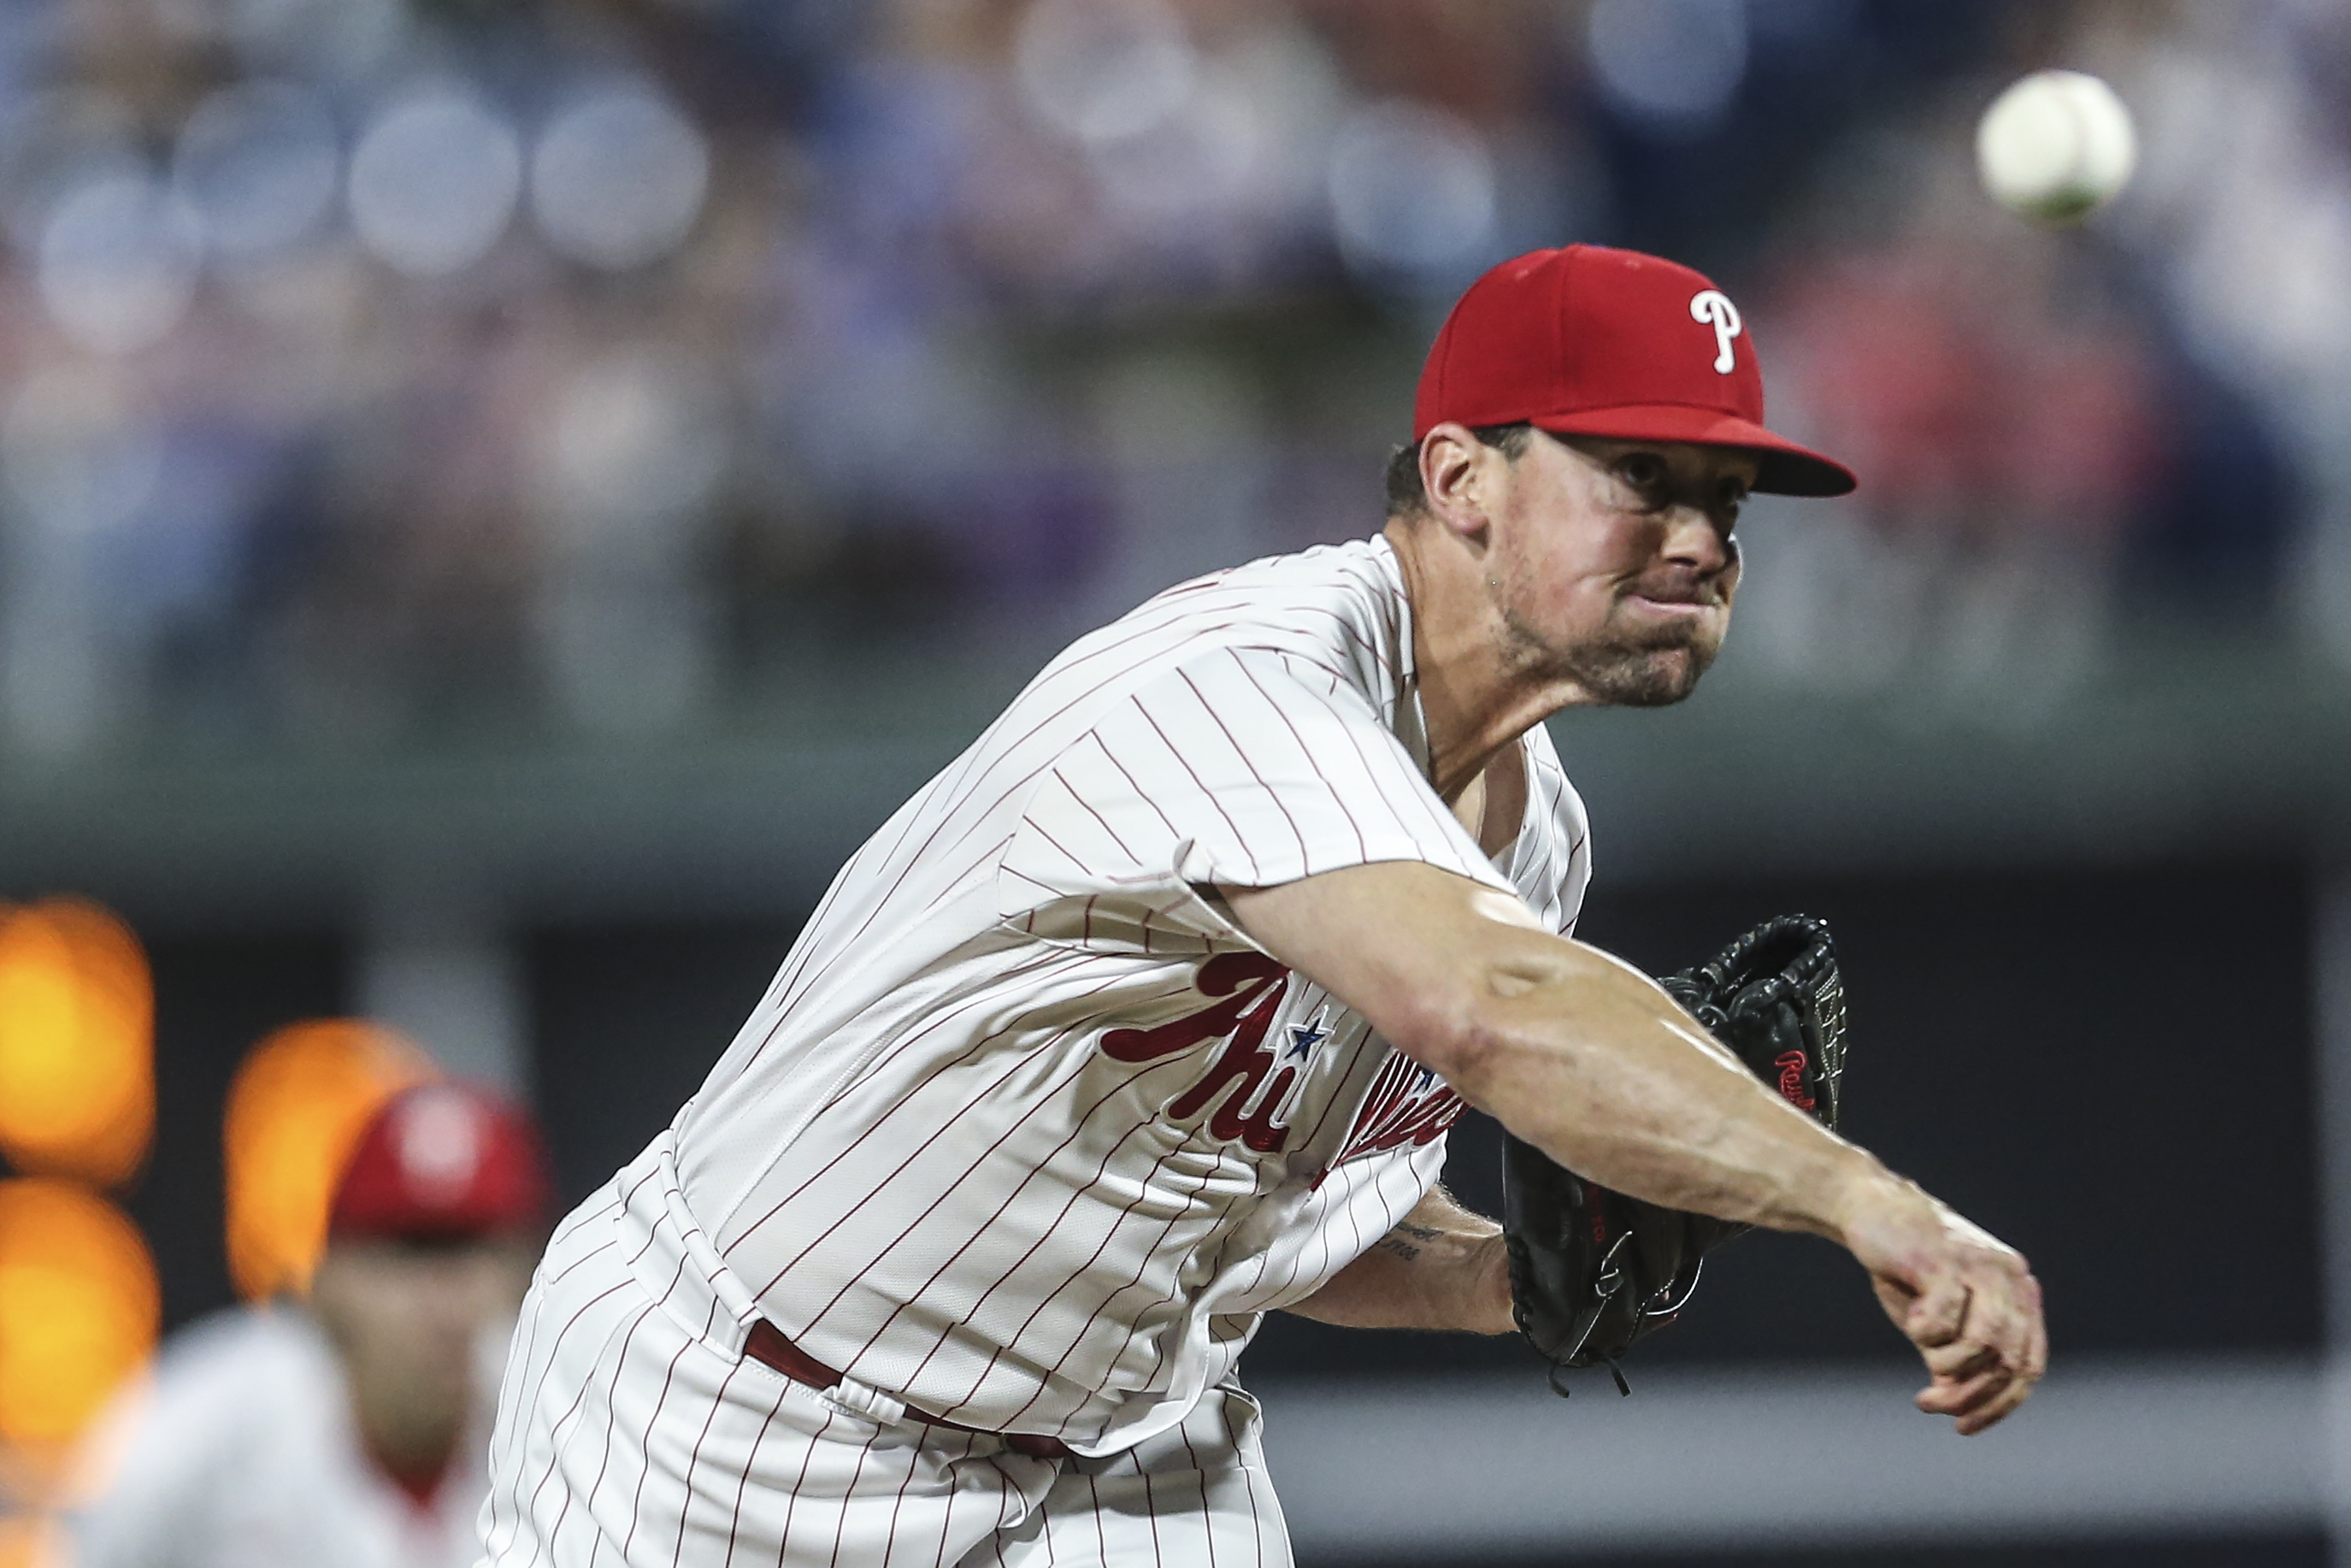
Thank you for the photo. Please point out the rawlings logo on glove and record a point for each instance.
(1593, 1271)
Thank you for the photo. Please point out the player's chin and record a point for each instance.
(1655, 676)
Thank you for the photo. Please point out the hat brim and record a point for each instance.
(1785, 468)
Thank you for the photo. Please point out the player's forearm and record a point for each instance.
(1441, 1267)
(1581, 1055)
(1594, 1063)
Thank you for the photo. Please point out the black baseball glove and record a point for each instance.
(1592, 1271)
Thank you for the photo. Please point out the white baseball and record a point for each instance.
(2055, 146)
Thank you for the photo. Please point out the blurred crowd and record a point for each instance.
(373, 369)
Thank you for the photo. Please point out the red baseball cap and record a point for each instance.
(443, 1160)
(1586, 341)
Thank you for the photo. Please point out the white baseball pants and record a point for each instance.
(633, 1431)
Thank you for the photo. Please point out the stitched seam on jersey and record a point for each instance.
(1305, 855)
(1362, 844)
(1239, 841)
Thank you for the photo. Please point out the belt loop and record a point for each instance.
(860, 1399)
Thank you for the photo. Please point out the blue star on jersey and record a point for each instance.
(1305, 1037)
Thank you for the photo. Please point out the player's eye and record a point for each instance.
(1730, 497)
(1645, 472)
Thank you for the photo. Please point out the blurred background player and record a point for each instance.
(347, 1429)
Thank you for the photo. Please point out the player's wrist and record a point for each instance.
(1490, 1304)
(1855, 1195)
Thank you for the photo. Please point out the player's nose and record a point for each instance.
(1695, 541)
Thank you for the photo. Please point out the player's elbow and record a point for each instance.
(1459, 1027)
(1492, 1010)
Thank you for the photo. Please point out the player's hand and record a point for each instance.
(1965, 1299)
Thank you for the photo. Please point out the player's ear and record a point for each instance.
(1452, 475)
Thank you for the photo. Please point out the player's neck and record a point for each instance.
(1473, 703)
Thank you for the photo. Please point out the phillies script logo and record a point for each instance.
(1252, 985)
(1791, 1079)
(1408, 1104)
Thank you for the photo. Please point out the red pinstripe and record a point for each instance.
(1043, 961)
(936, 1134)
(1305, 856)
(556, 1430)
(743, 1483)
(1010, 1198)
(637, 1504)
(1046, 1298)
(556, 1531)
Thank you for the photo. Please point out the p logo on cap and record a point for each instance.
(1588, 340)
(1713, 305)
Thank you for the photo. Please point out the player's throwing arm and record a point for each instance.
(1595, 1064)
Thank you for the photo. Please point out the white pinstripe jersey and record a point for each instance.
(1026, 1131)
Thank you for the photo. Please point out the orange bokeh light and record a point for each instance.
(29, 1541)
(77, 1044)
(79, 1308)
(298, 1106)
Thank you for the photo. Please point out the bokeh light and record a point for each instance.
(433, 180)
(295, 1109)
(1673, 65)
(32, 1542)
(77, 1044)
(618, 178)
(1103, 70)
(79, 1308)
(1413, 191)
(119, 255)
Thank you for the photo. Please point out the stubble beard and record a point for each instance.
(1617, 669)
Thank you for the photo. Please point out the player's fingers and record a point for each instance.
(1939, 1312)
(1962, 1358)
(1958, 1395)
(1995, 1408)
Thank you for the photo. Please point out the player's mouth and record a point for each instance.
(1676, 602)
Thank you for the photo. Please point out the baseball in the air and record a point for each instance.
(2055, 146)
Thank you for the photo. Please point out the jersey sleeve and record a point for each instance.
(1244, 767)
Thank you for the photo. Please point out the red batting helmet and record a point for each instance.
(1586, 341)
(443, 1160)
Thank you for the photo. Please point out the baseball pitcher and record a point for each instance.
(1149, 1014)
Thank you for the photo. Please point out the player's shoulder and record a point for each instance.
(1335, 609)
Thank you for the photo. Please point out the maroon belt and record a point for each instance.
(765, 1343)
